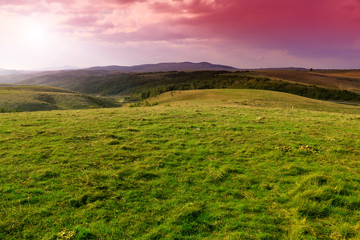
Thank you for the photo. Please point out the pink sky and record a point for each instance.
(241, 33)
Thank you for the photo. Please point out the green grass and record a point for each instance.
(183, 170)
(36, 98)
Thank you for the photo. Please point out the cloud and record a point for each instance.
(298, 28)
(82, 21)
(313, 28)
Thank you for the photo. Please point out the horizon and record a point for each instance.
(64, 68)
(238, 33)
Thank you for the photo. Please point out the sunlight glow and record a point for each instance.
(36, 35)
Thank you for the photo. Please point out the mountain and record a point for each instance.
(14, 76)
(165, 67)
(61, 68)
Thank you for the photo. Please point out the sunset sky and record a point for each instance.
(37, 34)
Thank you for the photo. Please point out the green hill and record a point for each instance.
(33, 98)
(215, 164)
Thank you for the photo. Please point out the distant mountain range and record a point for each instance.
(14, 76)
(165, 67)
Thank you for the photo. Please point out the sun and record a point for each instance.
(36, 35)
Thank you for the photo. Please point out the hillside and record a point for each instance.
(248, 97)
(337, 79)
(216, 164)
(144, 85)
(33, 98)
(75, 79)
(342, 73)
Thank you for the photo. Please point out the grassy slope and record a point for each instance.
(342, 73)
(248, 97)
(32, 98)
(339, 79)
(191, 171)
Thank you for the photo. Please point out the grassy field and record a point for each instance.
(342, 73)
(34, 98)
(338, 79)
(216, 164)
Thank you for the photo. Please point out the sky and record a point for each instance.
(41, 34)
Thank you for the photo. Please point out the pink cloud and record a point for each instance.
(82, 21)
(300, 28)
(317, 28)
(124, 1)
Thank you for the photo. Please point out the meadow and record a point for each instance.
(210, 164)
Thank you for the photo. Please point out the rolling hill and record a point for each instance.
(34, 98)
(337, 79)
(130, 80)
(144, 85)
(248, 97)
